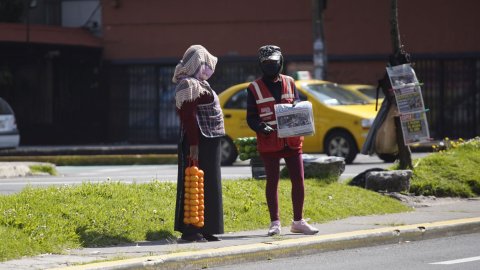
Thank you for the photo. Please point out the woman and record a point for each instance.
(201, 128)
(273, 88)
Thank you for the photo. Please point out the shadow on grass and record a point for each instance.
(89, 238)
(159, 235)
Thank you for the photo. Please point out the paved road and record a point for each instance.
(461, 252)
(146, 173)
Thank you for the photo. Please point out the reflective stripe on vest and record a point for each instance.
(260, 96)
(290, 92)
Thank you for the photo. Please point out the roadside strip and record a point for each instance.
(292, 247)
(83, 160)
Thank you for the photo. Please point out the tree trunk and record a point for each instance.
(404, 155)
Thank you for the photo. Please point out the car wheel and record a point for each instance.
(228, 151)
(387, 157)
(341, 144)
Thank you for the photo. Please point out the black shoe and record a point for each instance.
(211, 238)
(193, 237)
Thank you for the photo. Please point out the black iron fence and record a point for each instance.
(143, 107)
(451, 91)
(55, 93)
(72, 99)
(142, 99)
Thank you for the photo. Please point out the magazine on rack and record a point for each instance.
(294, 121)
(409, 99)
(414, 127)
(402, 76)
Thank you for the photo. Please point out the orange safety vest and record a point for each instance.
(266, 112)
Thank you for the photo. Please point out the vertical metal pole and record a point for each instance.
(27, 20)
(319, 46)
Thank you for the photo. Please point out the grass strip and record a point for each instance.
(52, 219)
(453, 171)
(43, 168)
(88, 160)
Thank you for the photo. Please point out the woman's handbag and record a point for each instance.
(386, 139)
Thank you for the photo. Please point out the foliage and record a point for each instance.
(452, 171)
(52, 219)
(43, 168)
(11, 10)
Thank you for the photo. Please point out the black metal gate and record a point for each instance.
(451, 91)
(142, 105)
(142, 99)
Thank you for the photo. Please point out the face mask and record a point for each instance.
(271, 70)
(204, 73)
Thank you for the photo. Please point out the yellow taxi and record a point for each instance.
(369, 92)
(342, 119)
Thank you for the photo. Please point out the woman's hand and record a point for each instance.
(194, 152)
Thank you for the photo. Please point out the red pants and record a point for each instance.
(295, 169)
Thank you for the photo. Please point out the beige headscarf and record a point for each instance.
(198, 63)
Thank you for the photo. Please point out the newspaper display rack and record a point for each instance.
(410, 104)
(294, 121)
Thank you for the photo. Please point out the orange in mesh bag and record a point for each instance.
(386, 139)
(194, 195)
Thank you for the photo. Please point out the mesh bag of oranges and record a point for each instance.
(194, 195)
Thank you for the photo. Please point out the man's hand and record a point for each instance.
(266, 128)
(294, 103)
(194, 152)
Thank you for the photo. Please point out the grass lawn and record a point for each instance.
(41, 220)
(453, 171)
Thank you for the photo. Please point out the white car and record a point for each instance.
(9, 134)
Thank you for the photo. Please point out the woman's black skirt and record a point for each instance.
(209, 161)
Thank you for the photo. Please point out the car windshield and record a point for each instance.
(371, 93)
(332, 94)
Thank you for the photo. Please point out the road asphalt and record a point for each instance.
(430, 218)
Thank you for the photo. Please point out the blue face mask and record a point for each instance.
(271, 70)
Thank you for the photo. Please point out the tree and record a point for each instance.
(11, 10)
(404, 155)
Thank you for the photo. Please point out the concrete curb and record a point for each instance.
(18, 169)
(292, 247)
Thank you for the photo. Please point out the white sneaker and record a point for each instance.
(275, 228)
(302, 226)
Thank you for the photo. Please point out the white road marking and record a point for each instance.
(471, 259)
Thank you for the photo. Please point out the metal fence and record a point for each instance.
(143, 107)
(56, 99)
(451, 91)
(142, 101)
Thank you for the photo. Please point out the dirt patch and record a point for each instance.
(421, 201)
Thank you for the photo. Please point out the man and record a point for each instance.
(273, 88)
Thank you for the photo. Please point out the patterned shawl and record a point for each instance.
(195, 60)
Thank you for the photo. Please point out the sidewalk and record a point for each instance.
(444, 217)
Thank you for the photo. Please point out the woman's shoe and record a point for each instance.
(193, 237)
(211, 237)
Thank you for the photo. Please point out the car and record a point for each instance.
(369, 92)
(9, 134)
(342, 119)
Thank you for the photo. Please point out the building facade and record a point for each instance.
(139, 42)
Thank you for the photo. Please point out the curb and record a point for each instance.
(292, 247)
